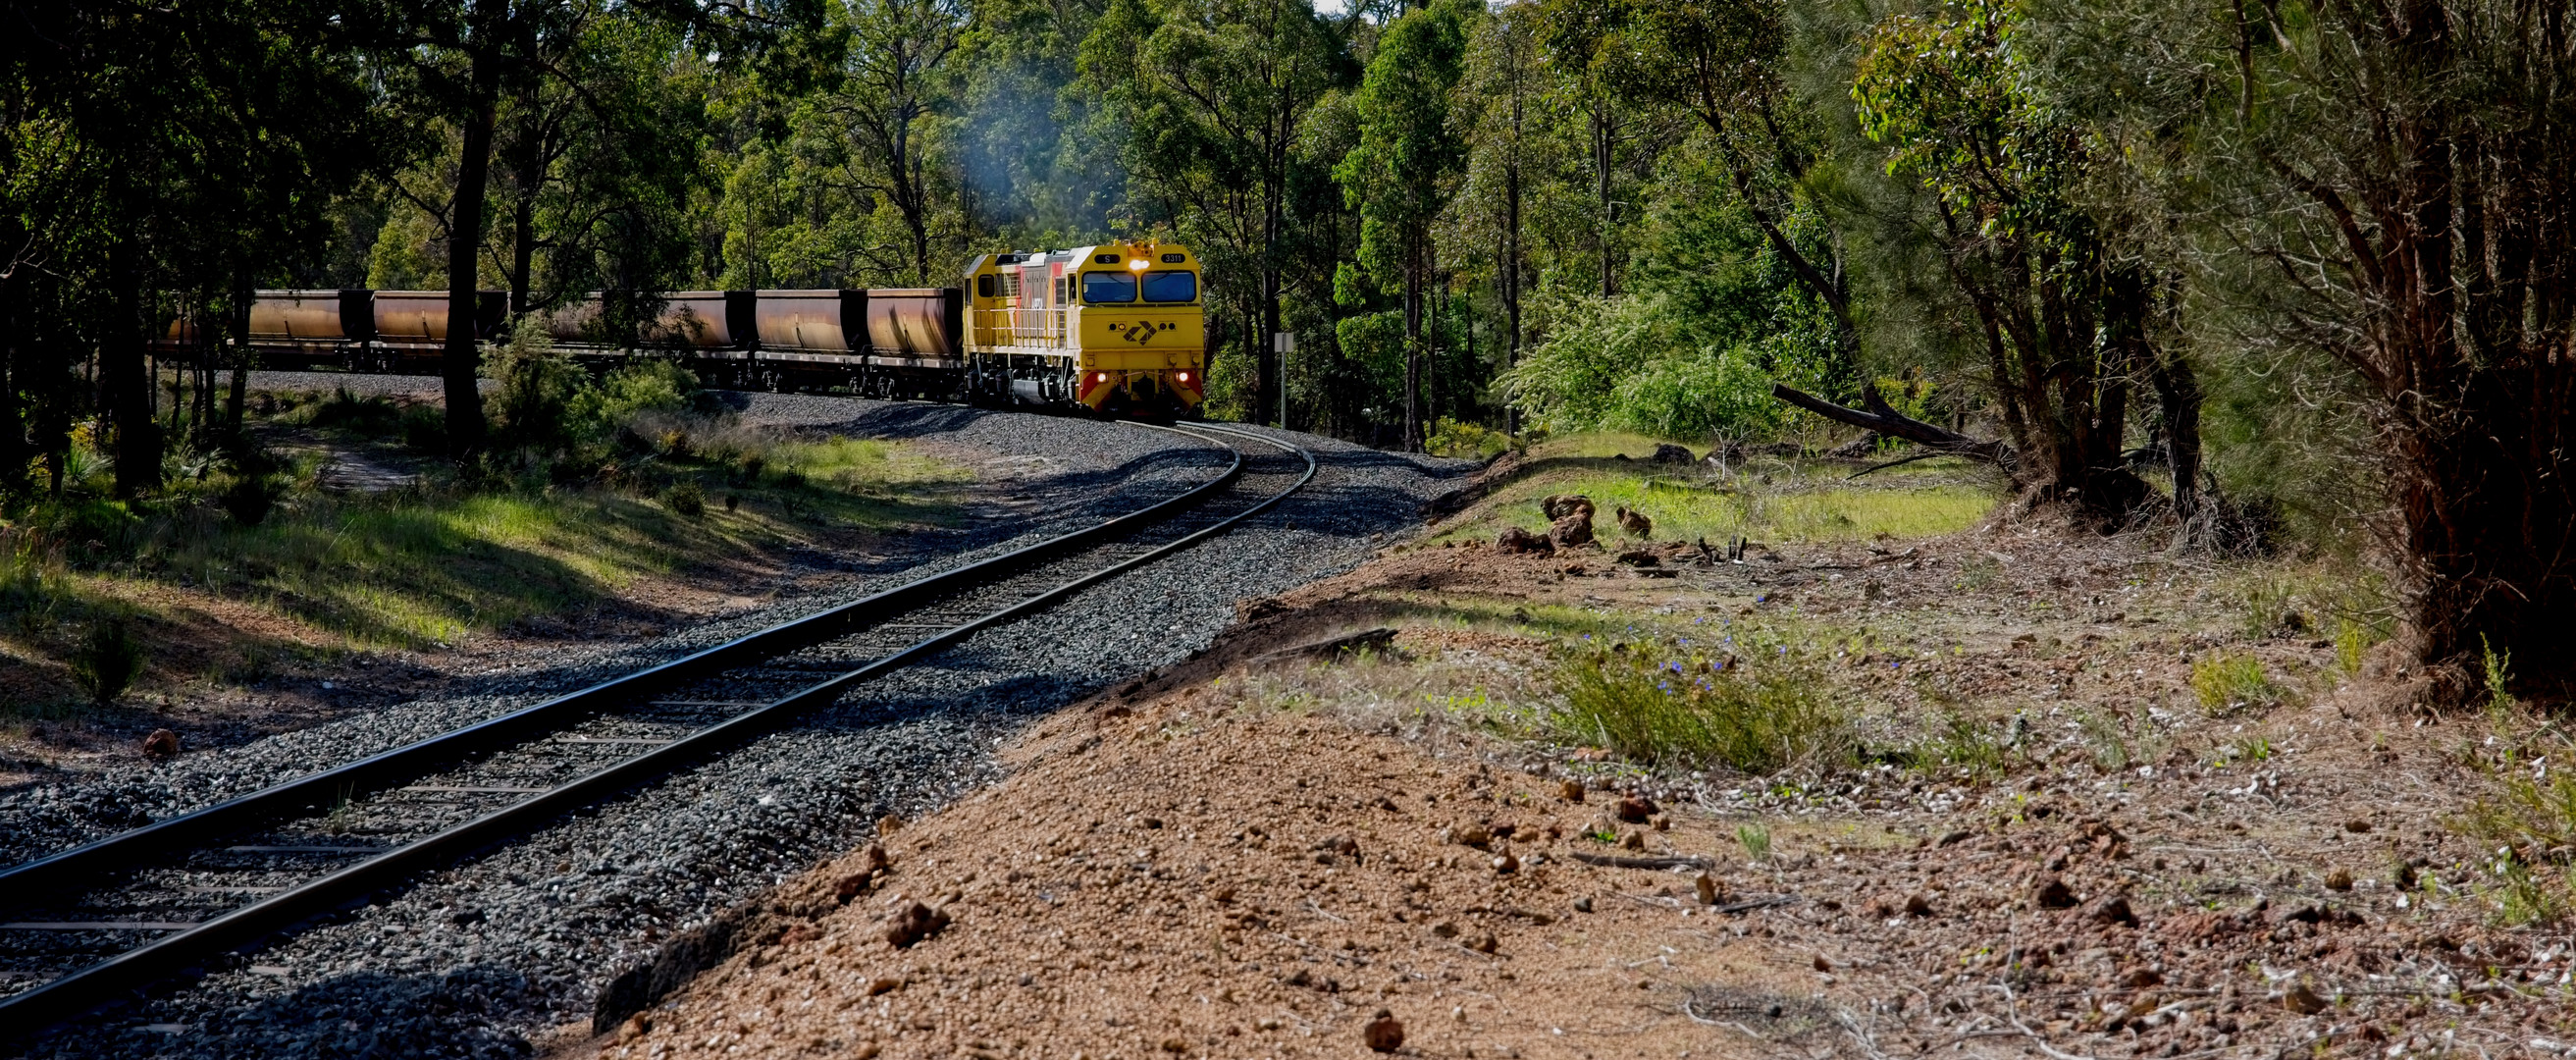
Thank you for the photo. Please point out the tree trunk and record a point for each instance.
(464, 242)
(1601, 174)
(1510, 272)
(2178, 408)
(237, 334)
(15, 451)
(1413, 343)
(124, 379)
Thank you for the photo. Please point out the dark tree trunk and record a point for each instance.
(2454, 309)
(237, 334)
(1601, 142)
(1413, 344)
(124, 378)
(2178, 411)
(1510, 272)
(15, 450)
(464, 243)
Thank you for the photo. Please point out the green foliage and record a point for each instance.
(1964, 743)
(2495, 671)
(1467, 441)
(1760, 718)
(1612, 364)
(1755, 837)
(107, 660)
(688, 499)
(2226, 683)
(538, 384)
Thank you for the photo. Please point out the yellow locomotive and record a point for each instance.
(1114, 326)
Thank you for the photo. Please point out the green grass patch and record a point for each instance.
(2227, 682)
(1768, 499)
(419, 568)
(1758, 718)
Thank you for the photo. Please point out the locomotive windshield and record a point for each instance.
(1108, 287)
(1171, 286)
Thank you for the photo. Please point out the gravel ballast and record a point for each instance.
(473, 960)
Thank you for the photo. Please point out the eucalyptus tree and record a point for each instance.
(159, 157)
(1206, 100)
(1406, 167)
(894, 82)
(2061, 313)
(2402, 174)
(461, 62)
(594, 166)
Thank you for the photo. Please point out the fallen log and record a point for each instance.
(1877, 416)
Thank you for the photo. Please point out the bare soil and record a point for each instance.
(1256, 853)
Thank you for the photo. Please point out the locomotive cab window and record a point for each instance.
(984, 286)
(1172, 285)
(1098, 287)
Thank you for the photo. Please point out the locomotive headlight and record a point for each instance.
(1137, 265)
(1184, 377)
(1101, 377)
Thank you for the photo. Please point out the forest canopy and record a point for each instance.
(2284, 275)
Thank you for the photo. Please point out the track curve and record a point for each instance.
(360, 796)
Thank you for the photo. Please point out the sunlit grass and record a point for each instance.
(1689, 511)
(1768, 499)
(862, 464)
(415, 569)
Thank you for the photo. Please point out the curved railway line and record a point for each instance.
(97, 922)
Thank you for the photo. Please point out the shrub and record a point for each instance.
(2225, 683)
(1467, 440)
(107, 660)
(630, 390)
(249, 499)
(538, 385)
(1698, 712)
(687, 499)
(424, 428)
(1623, 364)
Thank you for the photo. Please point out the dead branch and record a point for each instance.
(1879, 417)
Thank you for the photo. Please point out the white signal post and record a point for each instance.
(1283, 343)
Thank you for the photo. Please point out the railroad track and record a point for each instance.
(95, 923)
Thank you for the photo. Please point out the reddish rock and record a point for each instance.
(1636, 808)
(2053, 893)
(161, 744)
(1575, 529)
(914, 923)
(1514, 539)
(1384, 1033)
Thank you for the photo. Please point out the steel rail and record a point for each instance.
(47, 875)
(80, 992)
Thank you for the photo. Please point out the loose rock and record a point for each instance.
(1515, 539)
(1384, 1033)
(1575, 529)
(2115, 910)
(2054, 894)
(161, 744)
(2304, 1001)
(1635, 523)
(914, 923)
